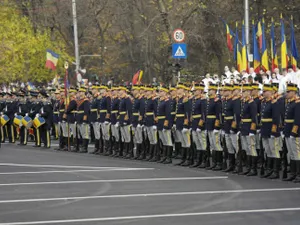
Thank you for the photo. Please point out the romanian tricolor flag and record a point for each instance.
(284, 55)
(229, 36)
(259, 34)
(52, 59)
(137, 78)
(294, 50)
(273, 48)
(244, 50)
(264, 50)
(256, 56)
(237, 52)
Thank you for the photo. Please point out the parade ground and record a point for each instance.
(43, 186)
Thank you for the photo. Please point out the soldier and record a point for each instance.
(63, 133)
(82, 119)
(125, 112)
(70, 118)
(34, 110)
(46, 112)
(56, 103)
(198, 134)
(23, 109)
(182, 123)
(163, 117)
(115, 125)
(270, 116)
(140, 126)
(10, 110)
(248, 130)
(94, 116)
(136, 126)
(150, 124)
(213, 126)
(291, 131)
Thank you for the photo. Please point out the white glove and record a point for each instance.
(139, 125)
(198, 130)
(282, 134)
(117, 125)
(258, 131)
(164, 130)
(272, 136)
(216, 131)
(222, 132)
(154, 127)
(106, 122)
(124, 124)
(251, 134)
(238, 133)
(83, 123)
(232, 132)
(185, 130)
(16, 114)
(292, 137)
(190, 130)
(26, 114)
(174, 127)
(37, 115)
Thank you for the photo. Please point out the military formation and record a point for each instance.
(233, 128)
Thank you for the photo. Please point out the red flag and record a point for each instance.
(135, 78)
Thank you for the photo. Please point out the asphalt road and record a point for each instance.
(41, 186)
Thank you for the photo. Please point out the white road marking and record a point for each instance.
(77, 171)
(55, 166)
(116, 181)
(149, 195)
(103, 219)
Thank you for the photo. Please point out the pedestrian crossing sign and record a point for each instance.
(179, 51)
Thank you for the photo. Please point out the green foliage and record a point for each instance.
(23, 50)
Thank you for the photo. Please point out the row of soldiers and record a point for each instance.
(232, 128)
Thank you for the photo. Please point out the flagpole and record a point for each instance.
(75, 37)
(247, 25)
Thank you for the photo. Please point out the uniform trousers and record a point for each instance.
(165, 137)
(199, 138)
(151, 133)
(126, 133)
(138, 134)
(272, 147)
(83, 130)
(105, 128)
(115, 132)
(249, 144)
(232, 143)
(184, 137)
(96, 128)
(214, 141)
(293, 146)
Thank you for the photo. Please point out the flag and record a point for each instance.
(30, 86)
(52, 59)
(229, 35)
(244, 50)
(264, 50)
(294, 50)
(237, 52)
(137, 77)
(259, 34)
(256, 56)
(284, 55)
(273, 48)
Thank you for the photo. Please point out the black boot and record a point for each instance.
(138, 152)
(101, 147)
(248, 165)
(169, 155)
(96, 149)
(183, 157)
(297, 179)
(213, 160)
(155, 154)
(276, 167)
(293, 171)
(219, 161)
(142, 152)
(269, 169)
(253, 171)
(151, 152)
(121, 149)
(177, 154)
(239, 165)
(164, 153)
(204, 159)
(224, 159)
(189, 156)
(84, 148)
(199, 155)
(231, 163)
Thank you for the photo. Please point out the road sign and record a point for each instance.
(178, 35)
(179, 51)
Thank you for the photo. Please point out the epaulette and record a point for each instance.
(298, 100)
(250, 101)
(236, 97)
(185, 99)
(274, 100)
(261, 97)
(217, 99)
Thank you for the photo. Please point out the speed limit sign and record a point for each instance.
(178, 35)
